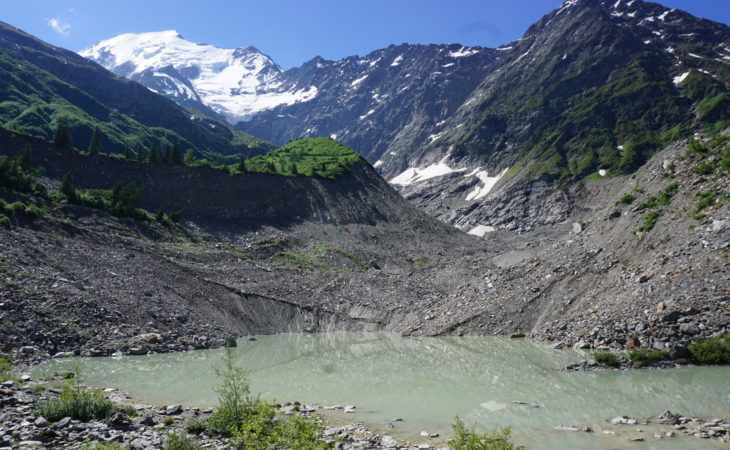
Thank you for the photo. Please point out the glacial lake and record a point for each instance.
(488, 381)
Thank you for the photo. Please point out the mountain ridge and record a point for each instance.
(59, 83)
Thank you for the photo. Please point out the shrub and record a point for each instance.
(101, 446)
(468, 439)
(233, 396)
(626, 199)
(261, 430)
(711, 351)
(252, 422)
(33, 210)
(609, 359)
(168, 421)
(650, 221)
(706, 168)
(78, 404)
(725, 163)
(4, 221)
(642, 356)
(196, 425)
(180, 442)
(5, 366)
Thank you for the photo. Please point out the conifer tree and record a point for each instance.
(160, 214)
(24, 159)
(62, 136)
(167, 155)
(177, 156)
(154, 154)
(95, 142)
(67, 187)
(242, 165)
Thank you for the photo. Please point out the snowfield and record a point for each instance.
(237, 83)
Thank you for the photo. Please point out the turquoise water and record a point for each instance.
(428, 381)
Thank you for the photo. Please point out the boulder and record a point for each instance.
(173, 410)
(150, 338)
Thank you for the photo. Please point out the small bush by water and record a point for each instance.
(468, 439)
(78, 404)
(253, 423)
(643, 356)
(195, 425)
(609, 359)
(711, 351)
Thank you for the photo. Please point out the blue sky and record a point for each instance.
(294, 31)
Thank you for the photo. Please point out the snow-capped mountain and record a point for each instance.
(595, 86)
(235, 83)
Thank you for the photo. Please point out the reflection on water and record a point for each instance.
(428, 381)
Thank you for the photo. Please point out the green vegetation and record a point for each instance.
(253, 423)
(320, 157)
(663, 198)
(297, 259)
(234, 400)
(642, 357)
(706, 199)
(89, 102)
(195, 425)
(609, 359)
(626, 199)
(326, 249)
(711, 351)
(5, 367)
(417, 261)
(650, 220)
(62, 135)
(706, 168)
(180, 442)
(468, 439)
(78, 404)
(95, 142)
(101, 446)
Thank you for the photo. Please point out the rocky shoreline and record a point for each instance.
(666, 426)
(141, 426)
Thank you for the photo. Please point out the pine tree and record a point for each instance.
(154, 154)
(24, 159)
(67, 187)
(160, 214)
(242, 165)
(167, 155)
(177, 156)
(62, 136)
(95, 142)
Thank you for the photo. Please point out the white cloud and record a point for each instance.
(59, 27)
